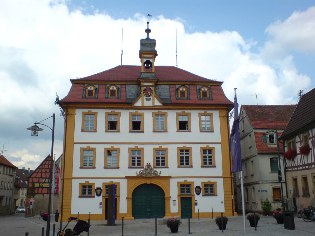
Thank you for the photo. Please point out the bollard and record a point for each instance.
(155, 222)
(43, 231)
(222, 221)
(26, 233)
(78, 215)
(189, 226)
(198, 214)
(212, 213)
(54, 228)
(89, 222)
(255, 221)
(122, 226)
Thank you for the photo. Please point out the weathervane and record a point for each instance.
(148, 31)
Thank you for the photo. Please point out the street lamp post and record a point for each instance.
(34, 129)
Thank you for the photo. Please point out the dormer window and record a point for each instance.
(271, 138)
(112, 91)
(204, 92)
(90, 91)
(182, 92)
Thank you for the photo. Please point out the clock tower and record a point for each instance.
(147, 55)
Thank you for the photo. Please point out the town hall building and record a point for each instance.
(160, 134)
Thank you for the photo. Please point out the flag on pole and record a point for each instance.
(235, 146)
(53, 184)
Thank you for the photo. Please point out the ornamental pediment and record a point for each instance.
(148, 171)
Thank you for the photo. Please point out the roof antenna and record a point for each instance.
(122, 51)
(176, 48)
(256, 98)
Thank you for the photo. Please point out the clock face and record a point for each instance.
(147, 92)
(147, 64)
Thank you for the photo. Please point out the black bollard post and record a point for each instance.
(89, 222)
(54, 229)
(155, 226)
(122, 226)
(255, 222)
(78, 215)
(212, 213)
(43, 231)
(198, 214)
(222, 221)
(26, 233)
(189, 226)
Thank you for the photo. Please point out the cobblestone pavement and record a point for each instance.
(17, 225)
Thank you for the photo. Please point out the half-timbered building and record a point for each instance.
(299, 140)
(158, 133)
(38, 188)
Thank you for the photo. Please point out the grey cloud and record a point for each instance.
(12, 64)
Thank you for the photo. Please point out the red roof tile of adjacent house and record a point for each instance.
(5, 162)
(303, 117)
(269, 116)
(132, 73)
(263, 147)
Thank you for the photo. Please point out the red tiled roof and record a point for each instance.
(303, 117)
(263, 147)
(269, 116)
(132, 73)
(5, 162)
(22, 177)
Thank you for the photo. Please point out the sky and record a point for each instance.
(264, 48)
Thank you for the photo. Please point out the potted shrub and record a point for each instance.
(221, 222)
(253, 219)
(266, 207)
(278, 215)
(173, 224)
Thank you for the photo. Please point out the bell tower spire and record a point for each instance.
(147, 55)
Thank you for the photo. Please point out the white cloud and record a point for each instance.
(295, 33)
(45, 45)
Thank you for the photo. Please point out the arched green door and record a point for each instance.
(148, 201)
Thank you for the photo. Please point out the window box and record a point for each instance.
(290, 154)
(305, 149)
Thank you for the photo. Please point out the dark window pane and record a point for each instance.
(90, 92)
(136, 125)
(274, 165)
(183, 125)
(112, 125)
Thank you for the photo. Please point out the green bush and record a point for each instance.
(266, 207)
